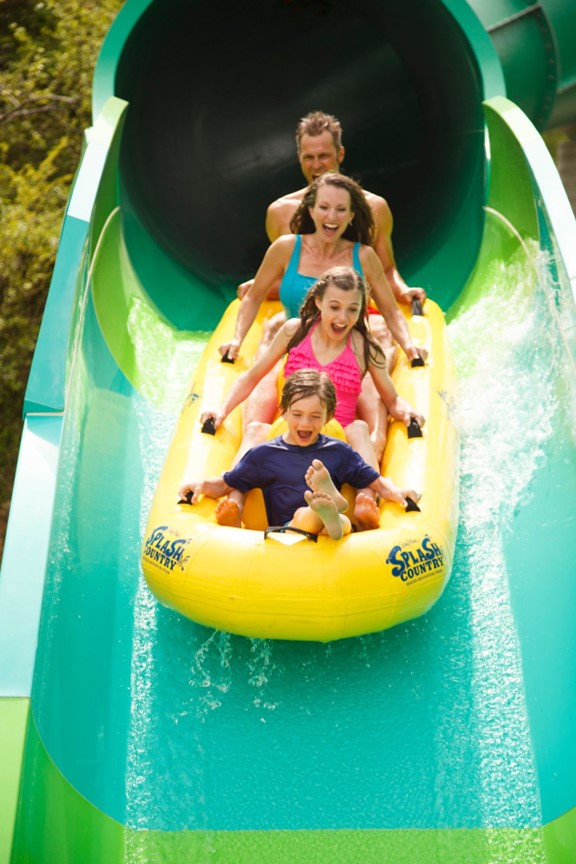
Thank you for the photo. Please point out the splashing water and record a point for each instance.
(508, 359)
(457, 671)
(164, 356)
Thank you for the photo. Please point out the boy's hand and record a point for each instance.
(189, 492)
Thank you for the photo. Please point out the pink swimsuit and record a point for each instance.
(344, 373)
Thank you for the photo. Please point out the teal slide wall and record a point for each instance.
(130, 734)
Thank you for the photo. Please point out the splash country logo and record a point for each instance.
(415, 560)
(164, 551)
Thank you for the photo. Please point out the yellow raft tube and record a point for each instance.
(284, 586)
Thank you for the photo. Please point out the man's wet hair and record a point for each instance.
(317, 122)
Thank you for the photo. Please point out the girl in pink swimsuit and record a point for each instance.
(331, 336)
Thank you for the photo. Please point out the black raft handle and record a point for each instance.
(414, 430)
(417, 310)
(282, 529)
(411, 505)
(227, 359)
(209, 426)
(187, 498)
(417, 306)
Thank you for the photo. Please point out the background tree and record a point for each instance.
(48, 51)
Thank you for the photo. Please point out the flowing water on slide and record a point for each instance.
(218, 732)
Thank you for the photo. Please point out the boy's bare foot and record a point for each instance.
(228, 513)
(319, 479)
(325, 508)
(366, 512)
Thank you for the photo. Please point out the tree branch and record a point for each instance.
(22, 111)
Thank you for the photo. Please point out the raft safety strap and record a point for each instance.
(282, 529)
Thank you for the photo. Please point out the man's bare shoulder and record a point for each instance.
(380, 211)
(287, 203)
(297, 196)
(280, 212)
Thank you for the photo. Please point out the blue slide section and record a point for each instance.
(151, 738)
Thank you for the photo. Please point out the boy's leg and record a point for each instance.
(229, 510)
(321, 516)
(366, 510)
(319, 479)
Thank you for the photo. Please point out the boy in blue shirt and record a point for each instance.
(302, 471)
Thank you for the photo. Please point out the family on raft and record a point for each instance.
(332, 266)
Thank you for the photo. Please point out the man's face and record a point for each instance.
(318, 154)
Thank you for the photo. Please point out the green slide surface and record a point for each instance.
(131, 734)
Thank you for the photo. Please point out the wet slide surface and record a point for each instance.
(169, 727)
(449, 738)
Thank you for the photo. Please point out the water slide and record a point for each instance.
(130, 734)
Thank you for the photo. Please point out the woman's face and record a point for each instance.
(331, 212)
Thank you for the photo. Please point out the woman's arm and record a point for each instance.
(270, 271)
(384, 299)
(246, 382)
(396, 405)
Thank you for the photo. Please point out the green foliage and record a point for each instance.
(48, 51)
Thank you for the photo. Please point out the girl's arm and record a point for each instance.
(270, 271)
(384, 299)
(246, 382)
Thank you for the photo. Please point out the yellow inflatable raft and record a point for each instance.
(284, 586)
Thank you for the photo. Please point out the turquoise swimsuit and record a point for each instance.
(294, 285)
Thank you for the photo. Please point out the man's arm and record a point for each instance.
(384, 299)
(383, 225)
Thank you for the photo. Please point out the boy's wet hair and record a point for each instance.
(309, 382)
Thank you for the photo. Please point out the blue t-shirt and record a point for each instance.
(279, 468)
(295, 285)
